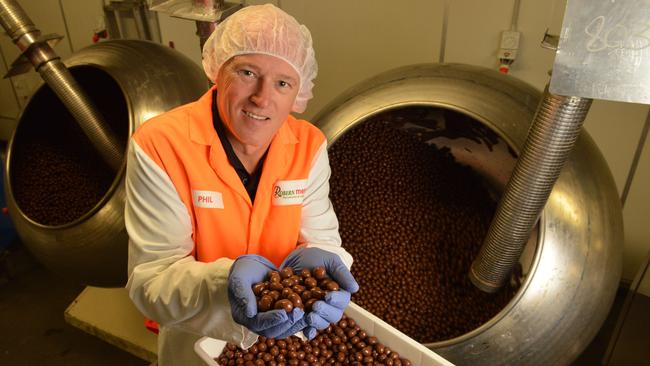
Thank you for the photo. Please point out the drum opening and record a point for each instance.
(56, 175)
(415, 189)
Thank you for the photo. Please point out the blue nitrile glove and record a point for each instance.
(330, 309)
(245, 272)
(311, 258)
(323, 312)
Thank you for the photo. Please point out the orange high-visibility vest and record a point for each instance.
(185, 145)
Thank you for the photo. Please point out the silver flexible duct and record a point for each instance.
(15, 21)
(555, 129)
(28, 39)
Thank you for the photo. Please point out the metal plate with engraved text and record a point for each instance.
(604, 51)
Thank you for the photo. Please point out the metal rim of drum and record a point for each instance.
(440, 85)
(117, 179)
(536, 236)
(93, 248)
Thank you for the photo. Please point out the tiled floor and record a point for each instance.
(33, 332)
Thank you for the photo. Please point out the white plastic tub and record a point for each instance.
(209, 348)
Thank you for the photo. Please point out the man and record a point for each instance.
(222, 190)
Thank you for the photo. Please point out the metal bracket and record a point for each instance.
(185, 9)
(604, 51)
(22, 64)
(550, 41)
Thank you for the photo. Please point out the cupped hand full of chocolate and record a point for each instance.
(287, 290)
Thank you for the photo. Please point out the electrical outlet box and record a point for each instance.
(509, 45)
(510, 40)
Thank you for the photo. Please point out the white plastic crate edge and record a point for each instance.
(209, 348)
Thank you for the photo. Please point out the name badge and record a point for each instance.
(289, 192)
(207, 199)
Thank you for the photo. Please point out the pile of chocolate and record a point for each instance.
(287, 290)
(413, 219)
(343, 343)
(57, 175)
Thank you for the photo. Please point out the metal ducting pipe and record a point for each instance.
(66, 204)
(206, 13)
(551, 139)
(28, 39)
(571, 263)
(205, 29)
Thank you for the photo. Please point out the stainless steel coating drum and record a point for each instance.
(572, 261)
(66, 204)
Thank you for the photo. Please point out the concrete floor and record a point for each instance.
(33, 331)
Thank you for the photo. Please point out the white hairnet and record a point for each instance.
(268, 30)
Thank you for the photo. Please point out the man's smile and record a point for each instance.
(255, 116)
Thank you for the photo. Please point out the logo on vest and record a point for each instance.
(207, 199)
(289, 192)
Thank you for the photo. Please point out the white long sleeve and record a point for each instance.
(319, 226)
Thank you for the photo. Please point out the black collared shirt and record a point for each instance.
(250, 181)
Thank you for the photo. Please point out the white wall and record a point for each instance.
(357, 39)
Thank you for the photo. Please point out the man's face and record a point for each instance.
(255, 94)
